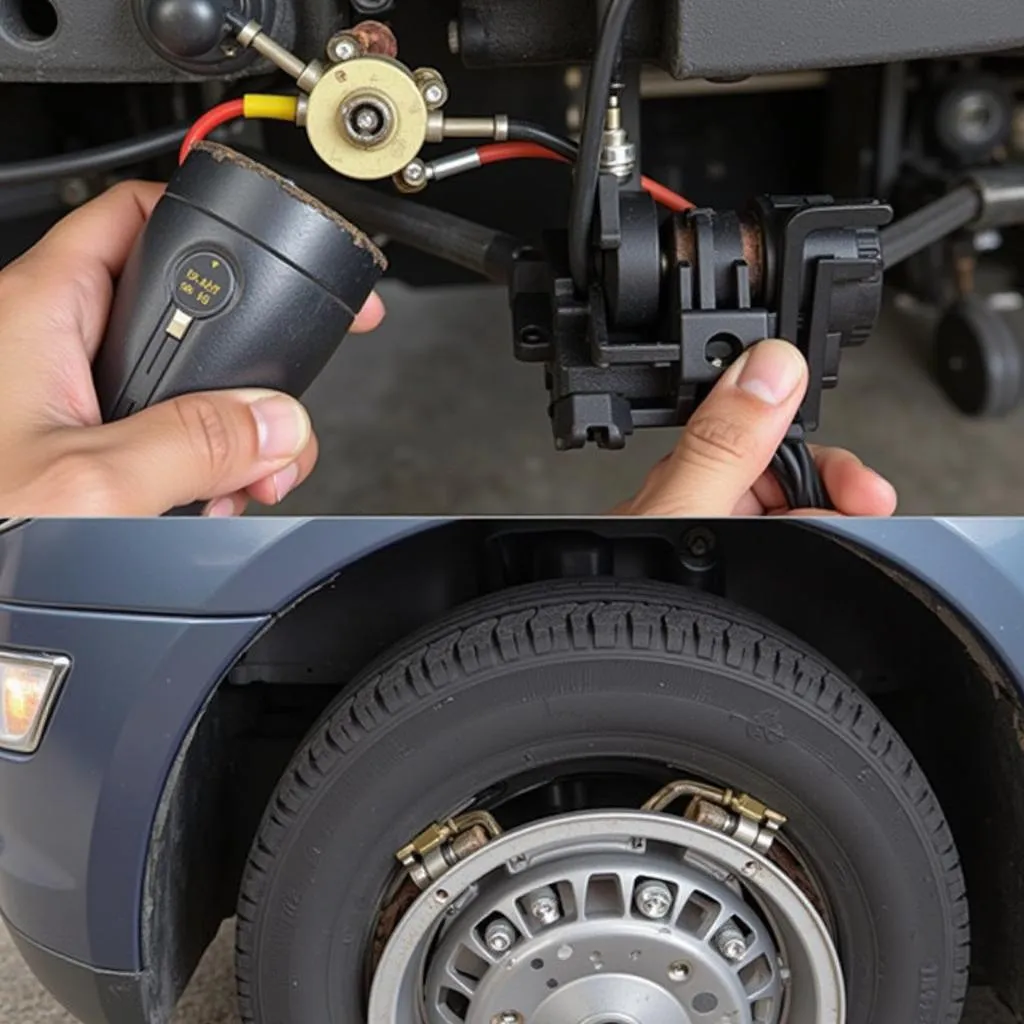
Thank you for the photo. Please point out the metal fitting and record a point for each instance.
(305, 75)
(508, 1017)
(343, 47)
(433, 86)
(440, 127)
(414, 177)
(731, 943)
(653, 900)
(618, 154)
(739, 815)
(500, 936)
(443, 844)
(1001, 190)
(454, 37)
(368, 119)
(449, 166)
(543, 905)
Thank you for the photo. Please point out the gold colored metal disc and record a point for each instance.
(378, 84)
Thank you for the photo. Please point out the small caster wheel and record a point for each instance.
(979, 360)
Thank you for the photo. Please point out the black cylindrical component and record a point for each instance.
(1002, 196)
(474, 247)
(240, 279)
(191, 34)
(633, 268)
(930, 224)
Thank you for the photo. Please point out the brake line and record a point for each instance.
(498, 152)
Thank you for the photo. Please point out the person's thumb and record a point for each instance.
(200, 447)
(731, 438)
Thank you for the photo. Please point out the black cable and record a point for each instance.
(929, 225)
(588, 166)
(526, 131)
(465, 243)
(797, 473)
(91, 161)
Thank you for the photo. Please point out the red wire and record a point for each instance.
(498, 151)
(208, 122)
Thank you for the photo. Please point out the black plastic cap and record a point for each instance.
(283, 218)
(187, 29)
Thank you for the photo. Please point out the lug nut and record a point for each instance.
(653, 900)
(731, 943)
(543, 905)
(499, 936)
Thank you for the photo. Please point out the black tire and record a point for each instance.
(546, 674)
(979, 360)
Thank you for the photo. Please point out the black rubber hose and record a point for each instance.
(588, 165)
(471, 246)
(91, 161)
(929, 225)
(526, 131)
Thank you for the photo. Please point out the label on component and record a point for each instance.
(203, 284)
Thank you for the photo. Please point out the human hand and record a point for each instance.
(720, 465)
(58, 458)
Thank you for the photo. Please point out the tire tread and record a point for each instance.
(421, 670)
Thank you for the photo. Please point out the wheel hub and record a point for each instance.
(606, 955)
(601, 918)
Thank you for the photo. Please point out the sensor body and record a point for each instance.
(239, 280)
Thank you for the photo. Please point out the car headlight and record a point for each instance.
(29, 685)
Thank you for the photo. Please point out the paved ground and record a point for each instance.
(432, 415)
(209, 999)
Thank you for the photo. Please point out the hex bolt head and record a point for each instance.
(543, 906)
(434, 95)
(653, 899)
(731, 943)
(499, 936)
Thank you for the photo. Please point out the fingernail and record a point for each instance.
(283, 426)
(772, 371)
(285, 480)
(222, 508)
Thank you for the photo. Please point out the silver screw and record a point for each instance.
(543, 905)
(731, 943)
(368, 121)
(678, 971)
(499, 936)
(342, 48)
(454, 36)
(434, 94)
(415, 174)
(653, 900)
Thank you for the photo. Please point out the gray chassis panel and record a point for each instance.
(723, 38)
(99, 41)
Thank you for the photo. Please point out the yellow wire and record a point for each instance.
(274, 108)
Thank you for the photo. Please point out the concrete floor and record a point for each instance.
(210, 999)
(432, 415)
